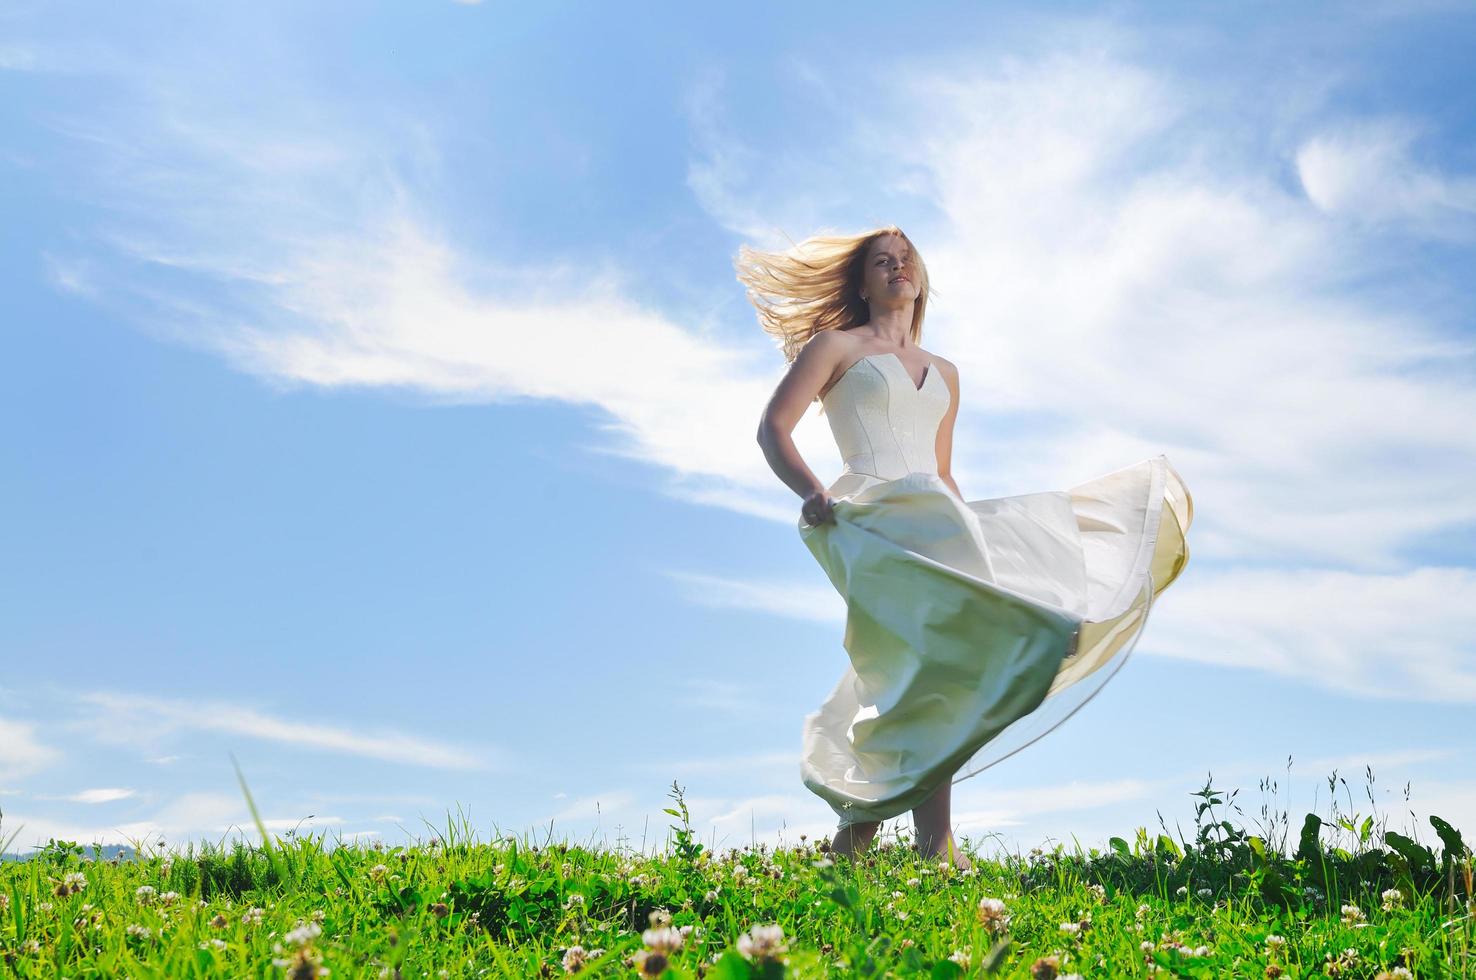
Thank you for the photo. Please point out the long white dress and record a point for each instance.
(973, 627)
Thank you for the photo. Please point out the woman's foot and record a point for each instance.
(853, 838)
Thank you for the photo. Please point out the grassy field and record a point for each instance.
(1347, 898)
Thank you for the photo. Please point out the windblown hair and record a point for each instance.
(816, 286)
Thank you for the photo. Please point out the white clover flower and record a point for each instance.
(574, 958)
(961, 957)
(168, 898)
(663, 939)
(1205, 892)
(1352, 914)
(74, 881)
(1098, 891)
(1071, 928)
(913, 882)
(145, 894)
(252, 916)
(1146, 946)
(305, 932)
(142, 932)
(1392, 899)
(762, 943)
(1275, 942)
(379, 872)
(993, 915)
(214, 944)
(1181, 891)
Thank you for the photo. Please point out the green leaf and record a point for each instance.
(1120, 848)
(1310, 847)
(1451, 838)
(1420, 857)
(946, 970)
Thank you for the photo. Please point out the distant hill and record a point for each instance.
(104, 853)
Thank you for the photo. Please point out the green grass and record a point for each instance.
(454, 907)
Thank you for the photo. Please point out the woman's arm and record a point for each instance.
(812, 367)
(944, 448)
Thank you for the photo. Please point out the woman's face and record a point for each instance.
(890, 278)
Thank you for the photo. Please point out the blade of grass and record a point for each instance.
(266, 843)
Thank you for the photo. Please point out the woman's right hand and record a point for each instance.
(817, 509)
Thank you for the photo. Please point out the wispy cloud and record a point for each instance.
(102, 795)
(1404, 635)
(794, 600)
(24, 753)
(1111, 266)
(143, 719)
(1365, 171)
(1010, 808)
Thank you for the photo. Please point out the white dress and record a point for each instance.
(973, 627)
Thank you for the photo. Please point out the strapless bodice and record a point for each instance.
(884, 425)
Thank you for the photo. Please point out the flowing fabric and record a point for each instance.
(973, 627)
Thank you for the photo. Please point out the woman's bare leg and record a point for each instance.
(853, 838)
(932, 819)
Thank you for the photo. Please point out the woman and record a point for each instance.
(973, 627)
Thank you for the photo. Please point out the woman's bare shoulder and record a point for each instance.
(830, 341)
(828, 347)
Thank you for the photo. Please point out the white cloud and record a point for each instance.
(101, 795)
(24, 753)
(978, 809)
(794, 600)
(1366, 171)
(133, 719)
(1403, 635)
(1111, 266)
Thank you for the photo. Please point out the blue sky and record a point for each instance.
(379, 401)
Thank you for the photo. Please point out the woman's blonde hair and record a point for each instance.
(816, 285)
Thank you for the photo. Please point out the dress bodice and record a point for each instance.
(884, 425)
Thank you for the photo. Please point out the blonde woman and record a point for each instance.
(974, 627)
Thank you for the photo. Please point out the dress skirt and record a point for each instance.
(976, 627)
